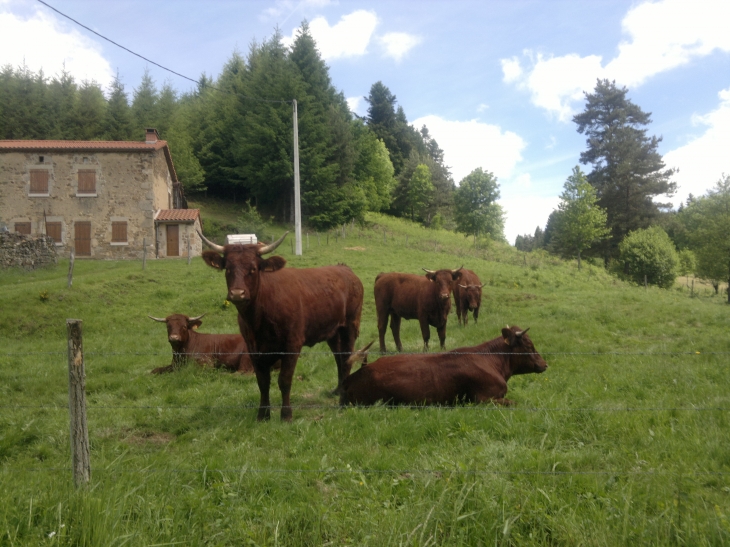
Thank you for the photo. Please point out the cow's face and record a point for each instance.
(445, 280)
(179, 327)
(472, 294)
(523, 355)
(243, 266)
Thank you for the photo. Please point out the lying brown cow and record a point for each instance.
(468, 296)
(217, 350)
(477, 374)
(407, 296)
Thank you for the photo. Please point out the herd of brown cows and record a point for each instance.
(281, 309)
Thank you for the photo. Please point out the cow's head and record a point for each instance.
(523, 355)
(243, 265)
(178, 327)
(472, 294)
(445, 280)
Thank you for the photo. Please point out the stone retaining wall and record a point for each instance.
(17, 250)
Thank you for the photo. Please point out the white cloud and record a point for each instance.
(471, 144)
(398, 44)
(525, 212)
(702, 161)
(662, 36)
(42, 42)
(354, 104)
(349, 37)
(482, 107)
(511, 69)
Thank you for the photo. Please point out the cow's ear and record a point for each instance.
(194, 324)
(214, 260)
(456, 275)
(272, 264)
(509, 336)
(431, 276)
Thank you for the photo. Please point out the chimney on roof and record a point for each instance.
(152, 136)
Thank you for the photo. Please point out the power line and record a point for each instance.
(198, 82)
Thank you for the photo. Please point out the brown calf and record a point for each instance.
(217, 350)
(468, 296)
(407, 296)
(475, 374)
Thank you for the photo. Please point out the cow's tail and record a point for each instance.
(360, 356)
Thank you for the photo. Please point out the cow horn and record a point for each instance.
(360, 355)
(519, 334)
(157, 319)
(265, 249)
(482, 285)
(428, 271)
(457, 269)
(463, 286)
(196, 318)
(210, 244)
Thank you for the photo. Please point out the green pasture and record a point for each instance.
(624, 440)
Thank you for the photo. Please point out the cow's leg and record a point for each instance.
(263, 379)
(466, 317)
(286, 374)
(335, 344)
(476, 314)
(382, 327)
(442, 336)
(426, 333)
(395, 329)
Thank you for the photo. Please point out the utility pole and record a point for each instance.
(297, 204)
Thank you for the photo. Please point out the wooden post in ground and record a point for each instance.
(71, 268)
(144, 253)
(80, 459)
(188, 249)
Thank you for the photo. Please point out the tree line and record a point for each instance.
(612, 213)
(231, 137)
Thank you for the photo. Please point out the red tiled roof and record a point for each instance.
(132, 146)
(183, 215)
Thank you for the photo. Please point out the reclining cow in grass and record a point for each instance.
(476, 374)
(216, 350)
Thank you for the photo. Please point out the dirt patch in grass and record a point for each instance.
(355, 248)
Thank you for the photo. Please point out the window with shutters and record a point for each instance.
(39, 182)
(119, 232)
(23, 228)
(87, 182)
(54, 230)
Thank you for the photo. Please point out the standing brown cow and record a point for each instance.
(468, 296)
(227, 350)
(407, 296)
(476, 374)
(282, 309)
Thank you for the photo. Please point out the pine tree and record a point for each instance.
(580, 221)
(90, 112)
(63, 95)
(118, 122)
(144, 105)
(628, 171)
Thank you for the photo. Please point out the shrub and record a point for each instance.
(649, 253)
(251, 222)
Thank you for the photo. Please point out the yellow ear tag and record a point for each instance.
(506, 341)
(195, 327)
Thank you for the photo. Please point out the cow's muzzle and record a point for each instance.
(236, 295)
(174, 338)
(444, 296)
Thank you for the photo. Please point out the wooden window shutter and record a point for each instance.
(87, 181)
(119, 232)
(23, 228)
(53, 229)
(38, 181)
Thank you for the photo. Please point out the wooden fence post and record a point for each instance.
(144, 253)
(80, 459)
(188, 249)
(71, 268)
(307, 240)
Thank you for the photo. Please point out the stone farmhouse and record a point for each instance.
(101, 199)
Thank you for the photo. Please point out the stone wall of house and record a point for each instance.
(130, 187)
(19, 251)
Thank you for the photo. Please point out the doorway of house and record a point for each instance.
(173, 240)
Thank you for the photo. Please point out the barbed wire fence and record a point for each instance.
(77, 406)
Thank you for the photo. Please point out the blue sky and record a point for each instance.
(496, 82)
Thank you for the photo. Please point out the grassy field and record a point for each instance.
(622, 441)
